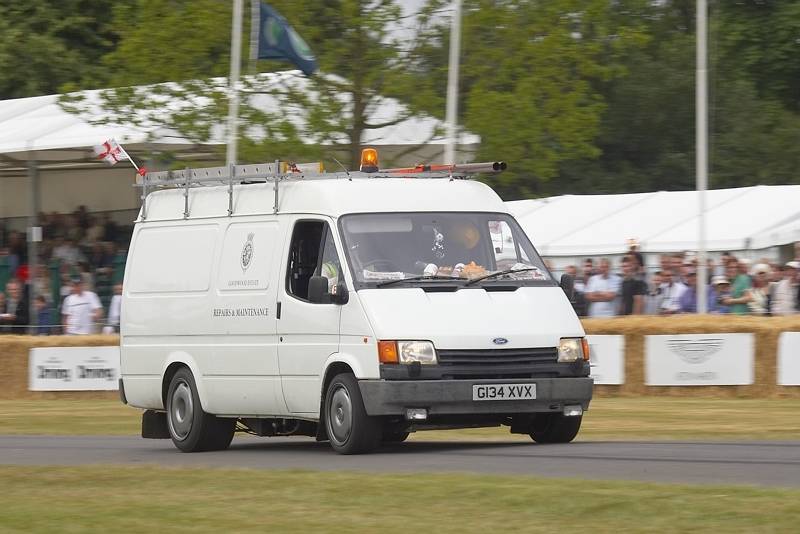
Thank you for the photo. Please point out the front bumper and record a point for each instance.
(445, 397)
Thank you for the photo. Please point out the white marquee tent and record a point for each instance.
(38, 129)
(749, 219)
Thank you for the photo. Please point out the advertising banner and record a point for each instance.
(73, 369)
(608, 359)
(699, 360)
(789, 359)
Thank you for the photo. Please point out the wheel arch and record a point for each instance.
(175, 361)
(335, 364)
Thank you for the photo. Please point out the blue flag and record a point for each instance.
(278, 40)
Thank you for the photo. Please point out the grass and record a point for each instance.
(629, 418)
(145, 499)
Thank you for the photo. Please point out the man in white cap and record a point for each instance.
(784, 300)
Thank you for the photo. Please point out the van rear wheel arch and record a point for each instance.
(173, 368)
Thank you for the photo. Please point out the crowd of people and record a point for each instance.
(735, 286)
(75, 286)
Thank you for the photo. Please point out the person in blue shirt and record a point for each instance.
(44, 317)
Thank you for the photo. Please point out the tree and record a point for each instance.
(530, 78)
(47, 46)
(186, 42)
(647, 134)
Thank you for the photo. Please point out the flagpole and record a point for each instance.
(233, 103)
(255, 24)
(701, 118)
(452, 85)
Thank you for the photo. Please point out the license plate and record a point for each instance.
(487, 392)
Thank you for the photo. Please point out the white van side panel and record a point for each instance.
(204, 292)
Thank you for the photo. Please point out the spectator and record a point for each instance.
(66, 251)
(44, 317)
(671, 289)
(633, 251)
(602, 291)
(759, 289)
(652, 301)
(785, 294)
(114, 310)
(81, 310)
(41, 283)
(579, 298)
(722, 290)
(14, 316)
(633, 288)
(740, 287)
(586, 274)
(94, 233)
(677, 267)
(109, 229)
(688, 300)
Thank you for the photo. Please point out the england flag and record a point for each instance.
(110, 152)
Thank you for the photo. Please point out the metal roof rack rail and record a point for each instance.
(278, 171)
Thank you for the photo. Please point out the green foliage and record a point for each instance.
(579, 96)
(530, 77)
(647, 135)
(50, 45)
(170, 40)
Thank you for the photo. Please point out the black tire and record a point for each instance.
(395, 437)
(555, 428)
(349, 428)
(192, 429)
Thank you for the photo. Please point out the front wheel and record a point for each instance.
(555, 428)
(192, 429)
(350, 430)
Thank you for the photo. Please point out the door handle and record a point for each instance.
(278, 311)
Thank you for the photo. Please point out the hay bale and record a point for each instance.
(14, 353)
(766, 331)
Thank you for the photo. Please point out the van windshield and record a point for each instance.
(460, 247)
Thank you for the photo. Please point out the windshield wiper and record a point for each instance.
(420, 277)
(501, 273)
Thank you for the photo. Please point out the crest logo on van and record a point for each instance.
(499, 341)
(247, 252)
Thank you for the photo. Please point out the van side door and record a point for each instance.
(308, 332)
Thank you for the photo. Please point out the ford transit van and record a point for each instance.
(352, 307)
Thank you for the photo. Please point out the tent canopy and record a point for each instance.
(39, 124)
(746, 218)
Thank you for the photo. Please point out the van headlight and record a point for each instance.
(572, 349)
(416, 351)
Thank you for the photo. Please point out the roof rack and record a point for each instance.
(279, 171)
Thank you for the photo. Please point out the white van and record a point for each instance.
(353, 307)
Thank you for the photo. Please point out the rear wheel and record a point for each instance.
(192, 429)
(350, 430)
(555, 428)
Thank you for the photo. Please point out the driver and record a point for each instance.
(330, 267)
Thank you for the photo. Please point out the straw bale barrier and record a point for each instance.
(764, 329)
(14, 352)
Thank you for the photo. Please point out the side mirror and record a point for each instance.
(318, 290)
(341, 296)
(568, 285)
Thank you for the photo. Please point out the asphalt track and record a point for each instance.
(752, 463)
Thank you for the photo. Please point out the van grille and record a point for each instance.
(499, 363)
